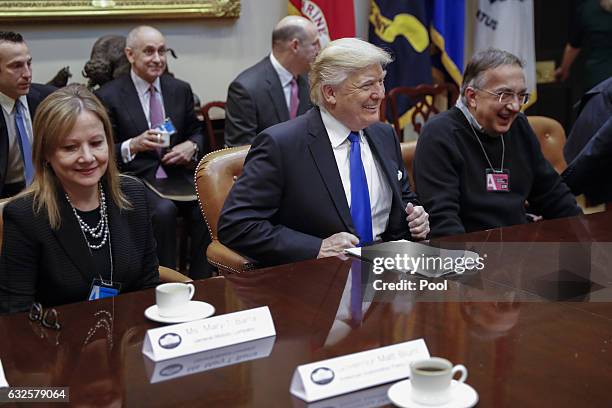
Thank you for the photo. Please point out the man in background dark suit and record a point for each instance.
(594, 109)
(16, 85)
(133, 102)
(588, 170)
(589, 146)
(329, 179)
(261, 96)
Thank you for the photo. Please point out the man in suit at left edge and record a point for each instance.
(139, 102)
(19, 98)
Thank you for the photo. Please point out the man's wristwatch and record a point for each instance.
(196, 149)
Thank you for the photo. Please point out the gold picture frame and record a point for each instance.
(24, 10)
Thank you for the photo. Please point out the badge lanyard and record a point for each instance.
(99, 288)
(495, 180)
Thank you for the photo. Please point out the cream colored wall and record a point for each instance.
(211, 51)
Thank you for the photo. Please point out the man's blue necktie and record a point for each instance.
(24, 144)
(360, 197)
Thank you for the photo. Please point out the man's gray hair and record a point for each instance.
(339, 59)
(484, 61)
(133, 36)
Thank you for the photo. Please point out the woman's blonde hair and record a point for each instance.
(54, 120)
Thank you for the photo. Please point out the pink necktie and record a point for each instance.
(156, 115)
(156, 112)
(295, 100)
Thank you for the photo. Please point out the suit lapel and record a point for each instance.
(4, 148)
(121, 242)
(275, 91)
(304, 95)
(386, 164)
(132, 105)
(323, 156)
(33, 102)
(172, 107)
(72, 240)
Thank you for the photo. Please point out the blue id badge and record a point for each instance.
(101, 289)
(167, 127)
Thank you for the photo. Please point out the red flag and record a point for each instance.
(333, 18)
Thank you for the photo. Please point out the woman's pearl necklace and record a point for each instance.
(98, 232)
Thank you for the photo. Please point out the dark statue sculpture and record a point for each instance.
(107, 61)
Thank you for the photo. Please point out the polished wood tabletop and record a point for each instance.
(533, 328)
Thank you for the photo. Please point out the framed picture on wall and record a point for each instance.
(117, 9)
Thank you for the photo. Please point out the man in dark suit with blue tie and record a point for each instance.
(19, 98)
(137, 104)
(275, 89)
(330, 179)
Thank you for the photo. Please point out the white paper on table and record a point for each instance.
(415, 250)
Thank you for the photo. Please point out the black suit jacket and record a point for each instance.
(128, 121)
(55, 266)
(290, 195)
(594, 108)
(37, 93)
(588, 159)
(255, 101)
(589, 172)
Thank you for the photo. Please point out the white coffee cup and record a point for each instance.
(172, 299)
(430, 380)
(163, 137)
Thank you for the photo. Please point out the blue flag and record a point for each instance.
(400, 27)
(447, 33)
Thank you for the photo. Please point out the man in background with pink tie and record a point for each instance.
(275, 89)
(139, 104)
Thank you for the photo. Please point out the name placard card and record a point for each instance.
(340, 375)
(183, 339)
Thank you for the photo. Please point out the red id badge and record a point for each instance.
(498, 181)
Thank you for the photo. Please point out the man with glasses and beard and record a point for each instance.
(479, 162)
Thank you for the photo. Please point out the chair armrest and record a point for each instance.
(170, 275)
(227, 260)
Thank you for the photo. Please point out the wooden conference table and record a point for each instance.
(534, 328)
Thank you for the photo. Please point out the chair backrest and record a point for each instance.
(425, 99)
(215, 127)
(214, 177)
(408, 149)
(551, 136)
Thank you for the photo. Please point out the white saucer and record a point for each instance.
(463, 396)
(195, 310)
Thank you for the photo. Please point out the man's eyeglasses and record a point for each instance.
(48, 318)
(150, 51)
(508, 97)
